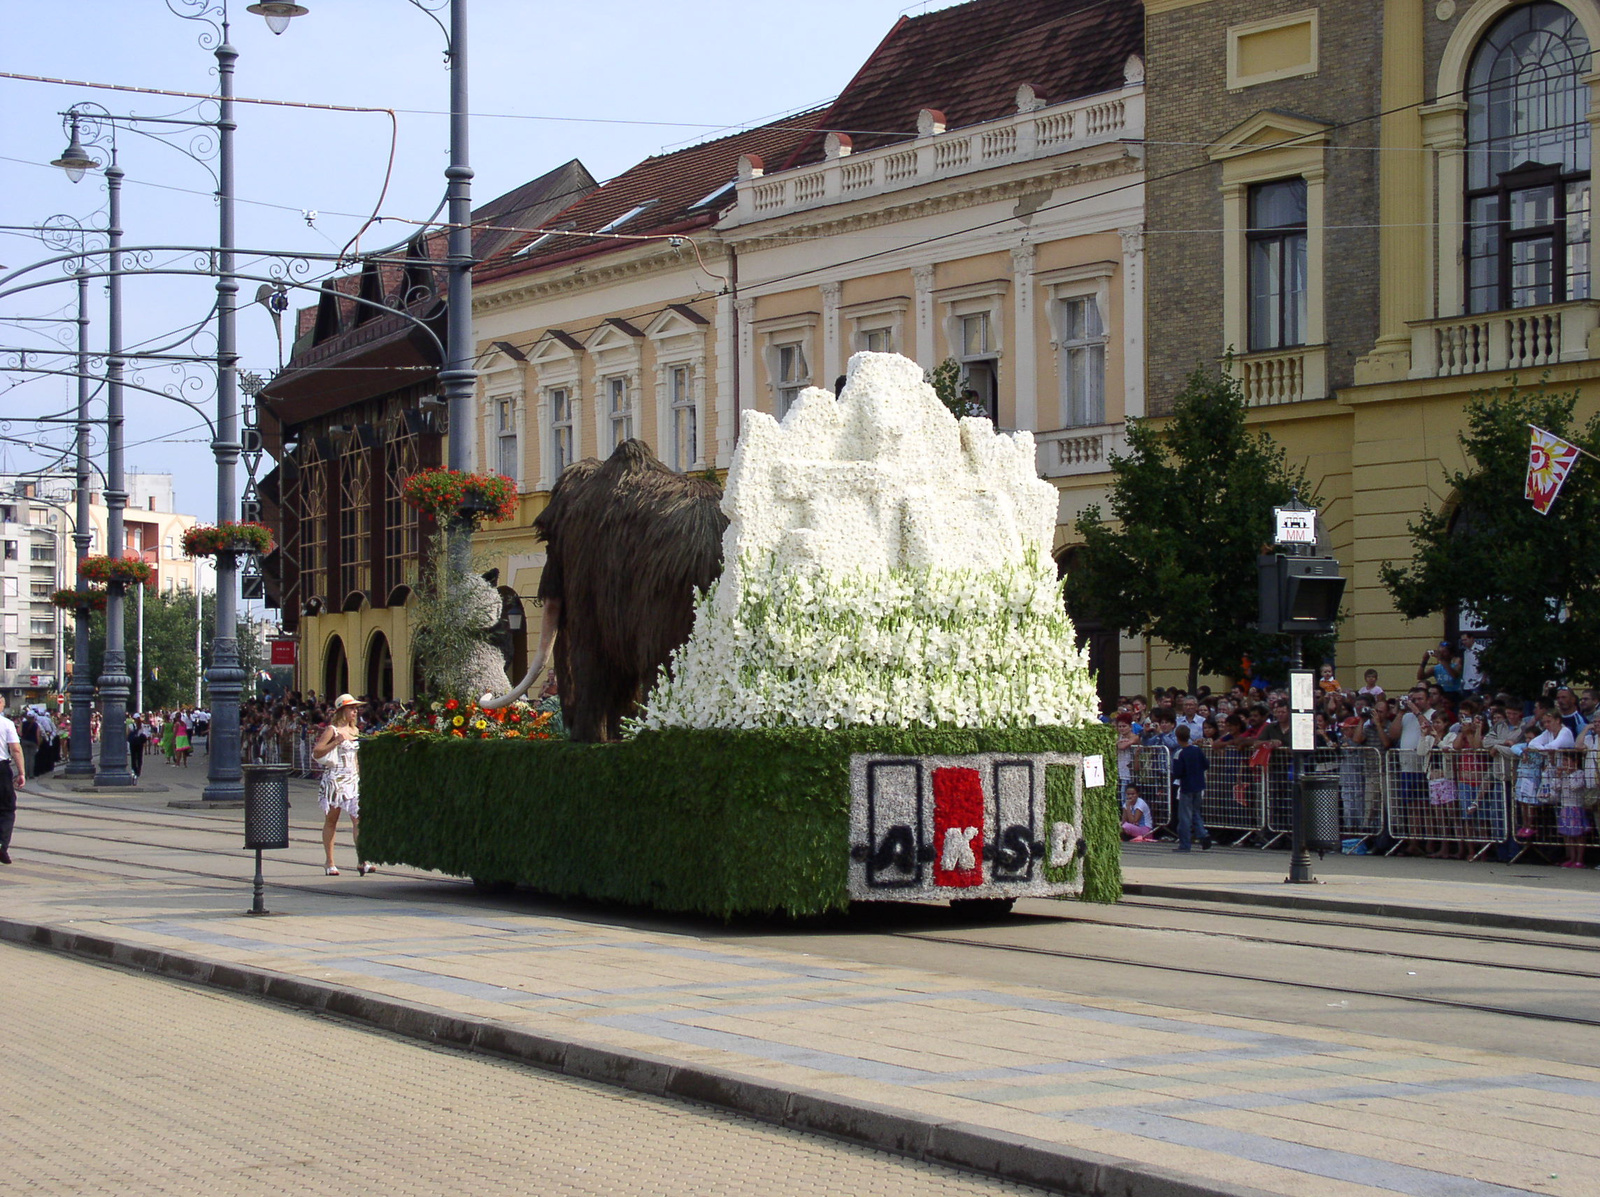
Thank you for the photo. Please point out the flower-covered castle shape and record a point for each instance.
(885, 564)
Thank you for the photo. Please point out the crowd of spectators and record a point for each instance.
(281, 731)
(1453, 740)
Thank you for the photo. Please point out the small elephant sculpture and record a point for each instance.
(628, 543)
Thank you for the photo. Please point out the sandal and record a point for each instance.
(331, 871)
(367, 868)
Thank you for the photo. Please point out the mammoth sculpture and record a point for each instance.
(628, 542)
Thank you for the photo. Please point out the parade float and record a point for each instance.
(871, 692)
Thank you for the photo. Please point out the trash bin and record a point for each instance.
(266, 818)
(1320, 806)
(266, 806)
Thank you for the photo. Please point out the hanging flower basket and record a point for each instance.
(74, 600)
(450, 494)
(207, 540)
(115, 569)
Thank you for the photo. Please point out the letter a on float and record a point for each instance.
(958, 827)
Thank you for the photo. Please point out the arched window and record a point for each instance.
(1528, 162)
(335, 670)
(380, 669)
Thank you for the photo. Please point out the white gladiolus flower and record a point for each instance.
(885, 565)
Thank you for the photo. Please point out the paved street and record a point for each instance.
(123, 1084)
(1428, 1076)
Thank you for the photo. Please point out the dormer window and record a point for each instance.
(631, 214)
(545, 238)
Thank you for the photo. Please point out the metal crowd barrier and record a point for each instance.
(1234, 798)
(1451, 797)
(1361, 793)
(1150, 768)
(1554, 795)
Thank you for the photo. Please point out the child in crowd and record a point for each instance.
(1136, 819)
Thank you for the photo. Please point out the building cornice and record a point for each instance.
(588, 277)
(818, 222)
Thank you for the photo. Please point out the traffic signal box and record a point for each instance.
(1299, 595)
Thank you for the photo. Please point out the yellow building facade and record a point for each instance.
(1437, 247)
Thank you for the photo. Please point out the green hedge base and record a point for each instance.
(713, 822)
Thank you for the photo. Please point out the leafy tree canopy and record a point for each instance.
(1192, 503)
(169, 656)
(1534, 579)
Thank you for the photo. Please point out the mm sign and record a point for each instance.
(1294, 527)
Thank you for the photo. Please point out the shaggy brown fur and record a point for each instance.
(629, 542)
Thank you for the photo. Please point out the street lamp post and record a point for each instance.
(224, 778)
(80, 745)
(114, 680)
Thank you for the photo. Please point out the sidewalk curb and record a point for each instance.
(1385, 910)
(990, 1152)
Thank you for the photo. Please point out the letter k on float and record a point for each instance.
(958, 827)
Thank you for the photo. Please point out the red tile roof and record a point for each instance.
(968, 62)
(675, 185)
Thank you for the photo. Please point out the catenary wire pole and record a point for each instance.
(459, 380)
(114, 679)
(80, 744)
(224, 780)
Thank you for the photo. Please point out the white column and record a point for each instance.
(1133, 398)
(832, 364)
(636, 404)
(922, 281)
(542, 454)
(725, 381)
(698, 396)
(664, 446)
(1024, 354)
(747, 354)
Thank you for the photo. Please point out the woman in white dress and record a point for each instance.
(335, 750)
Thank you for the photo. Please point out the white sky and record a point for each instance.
(658, 81)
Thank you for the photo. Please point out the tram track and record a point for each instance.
(1215, 974)
(144, 835)
(313, 842)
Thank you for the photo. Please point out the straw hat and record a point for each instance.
(345, 700)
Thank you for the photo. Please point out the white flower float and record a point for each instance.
(886, 564)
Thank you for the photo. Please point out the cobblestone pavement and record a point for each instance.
(1294, 1108)
(123, 1084)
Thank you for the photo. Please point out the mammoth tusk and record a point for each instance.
(547, 635)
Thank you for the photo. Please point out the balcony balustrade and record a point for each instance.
(1056, 129)
(1069, 452)
(1523, 338)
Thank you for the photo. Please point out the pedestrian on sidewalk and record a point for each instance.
(335, 750)
(138, 737)
(181, 745)
(168, 739)
(12, 779)
(1189, 778)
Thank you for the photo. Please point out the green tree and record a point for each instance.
(1534, 579)
(1192, 502)
(947, 383)
(169, 646)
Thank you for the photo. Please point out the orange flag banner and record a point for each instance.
(1550, 460)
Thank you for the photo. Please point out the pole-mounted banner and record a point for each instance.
(1550, 460)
